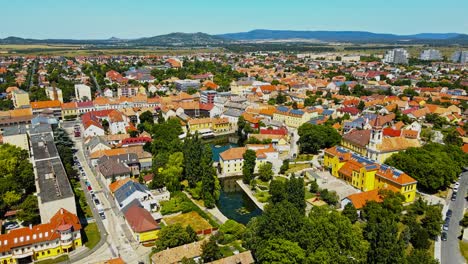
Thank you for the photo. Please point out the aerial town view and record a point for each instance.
(234, 132)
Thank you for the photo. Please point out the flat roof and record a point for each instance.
(43, 146)
(53, 180)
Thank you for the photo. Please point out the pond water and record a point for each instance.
(235, 204)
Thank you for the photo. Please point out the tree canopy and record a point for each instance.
(315, 137)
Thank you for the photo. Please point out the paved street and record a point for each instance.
(450, 251)
(119, 241)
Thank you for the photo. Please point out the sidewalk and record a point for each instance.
(249, 193)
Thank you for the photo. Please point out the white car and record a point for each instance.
(457, 184)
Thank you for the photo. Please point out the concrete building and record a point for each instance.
(396, 56)
(207, 97)
(184, 85)
(54, 93)
(430, 55)
(53, 188)
(460, 56)
(16, 136)
(82, 92)
(20, 98)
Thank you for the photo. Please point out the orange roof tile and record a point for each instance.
(359, 200)
(45, 104)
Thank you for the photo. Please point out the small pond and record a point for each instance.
(235, 204)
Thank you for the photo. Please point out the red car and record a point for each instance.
(90, 188)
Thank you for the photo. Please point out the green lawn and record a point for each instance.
(179, 202)
(464, 249)
(262, 196)
(52, 261)
(304, 157)
(297, 167)
(193, 219)
(92, 235)
(309, 195)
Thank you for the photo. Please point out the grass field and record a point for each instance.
(464, 249)
(60, 259)
(92, 235)
(297, 167)
(193, 219)
(80, 50)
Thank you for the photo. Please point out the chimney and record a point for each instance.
(61, 210)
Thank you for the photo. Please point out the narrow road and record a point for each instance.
(98, 88)
(450, 249)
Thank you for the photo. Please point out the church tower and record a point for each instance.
(375, 138)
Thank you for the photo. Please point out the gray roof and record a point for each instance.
(233, 112)
(112, 167)
(96, 141)
(128, 189)
(52, 180)
(14, 130)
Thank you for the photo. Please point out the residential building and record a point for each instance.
(396, 56)
(60, 235)
(20, 98)
(207, 96)
(460, 56)
(127, 91)
(16, 136)
(69, 110)
(53, 107)
(357, 141)
(430, 55)
(366, 174)
(119, 167)
(184, 85)
(83, 92)
(133, 191)
(231, 161)
(359, 200)
(54, 93)
(292, 117)
(144, 227)
(217, 125)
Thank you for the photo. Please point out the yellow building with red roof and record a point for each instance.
(59, 236)
(366, 174)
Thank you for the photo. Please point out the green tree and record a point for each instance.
(210, 183)
(193, 152)
(11, 198)
(265, 171)
(191, 233)
(452, 138)
(277, 191)
(172, 172)
(211, 251)
(361, 106)
(315, 137)
(280, 251)
(344, 90)
(250, 158)
(146, 117)
(281, 98)
(420, 256)
(105, 125)
(432, 221)
(172, 236)
(350, 212)
(296, 193)
(29, 210)
(285, 166)
(313, 186)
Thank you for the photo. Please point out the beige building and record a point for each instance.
(54, 95)
(16, 136)
(20, 99)
(83, 92)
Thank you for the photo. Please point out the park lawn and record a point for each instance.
(262, 197)
(304, 157)
(309, 195)
(464, 249)
(193, 219)
(280, 178)
(60, 259)
(92, 234)
(297, 167)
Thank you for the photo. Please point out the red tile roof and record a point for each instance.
(360, 199)
(140, 220)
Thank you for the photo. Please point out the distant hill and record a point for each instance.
(203, 39)
(182, 39)
(335, 36)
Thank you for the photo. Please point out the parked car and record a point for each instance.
(90, 188)
(454, 196)
(449, 213)
(102, 215)
(97, 202)
(93, 195)
(444, 236)
(446, 224)
(11, 225)
(83, 174)
(87, 183)
(457, 184)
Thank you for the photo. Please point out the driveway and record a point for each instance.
(450, 249)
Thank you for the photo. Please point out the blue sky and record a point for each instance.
(98, 19)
